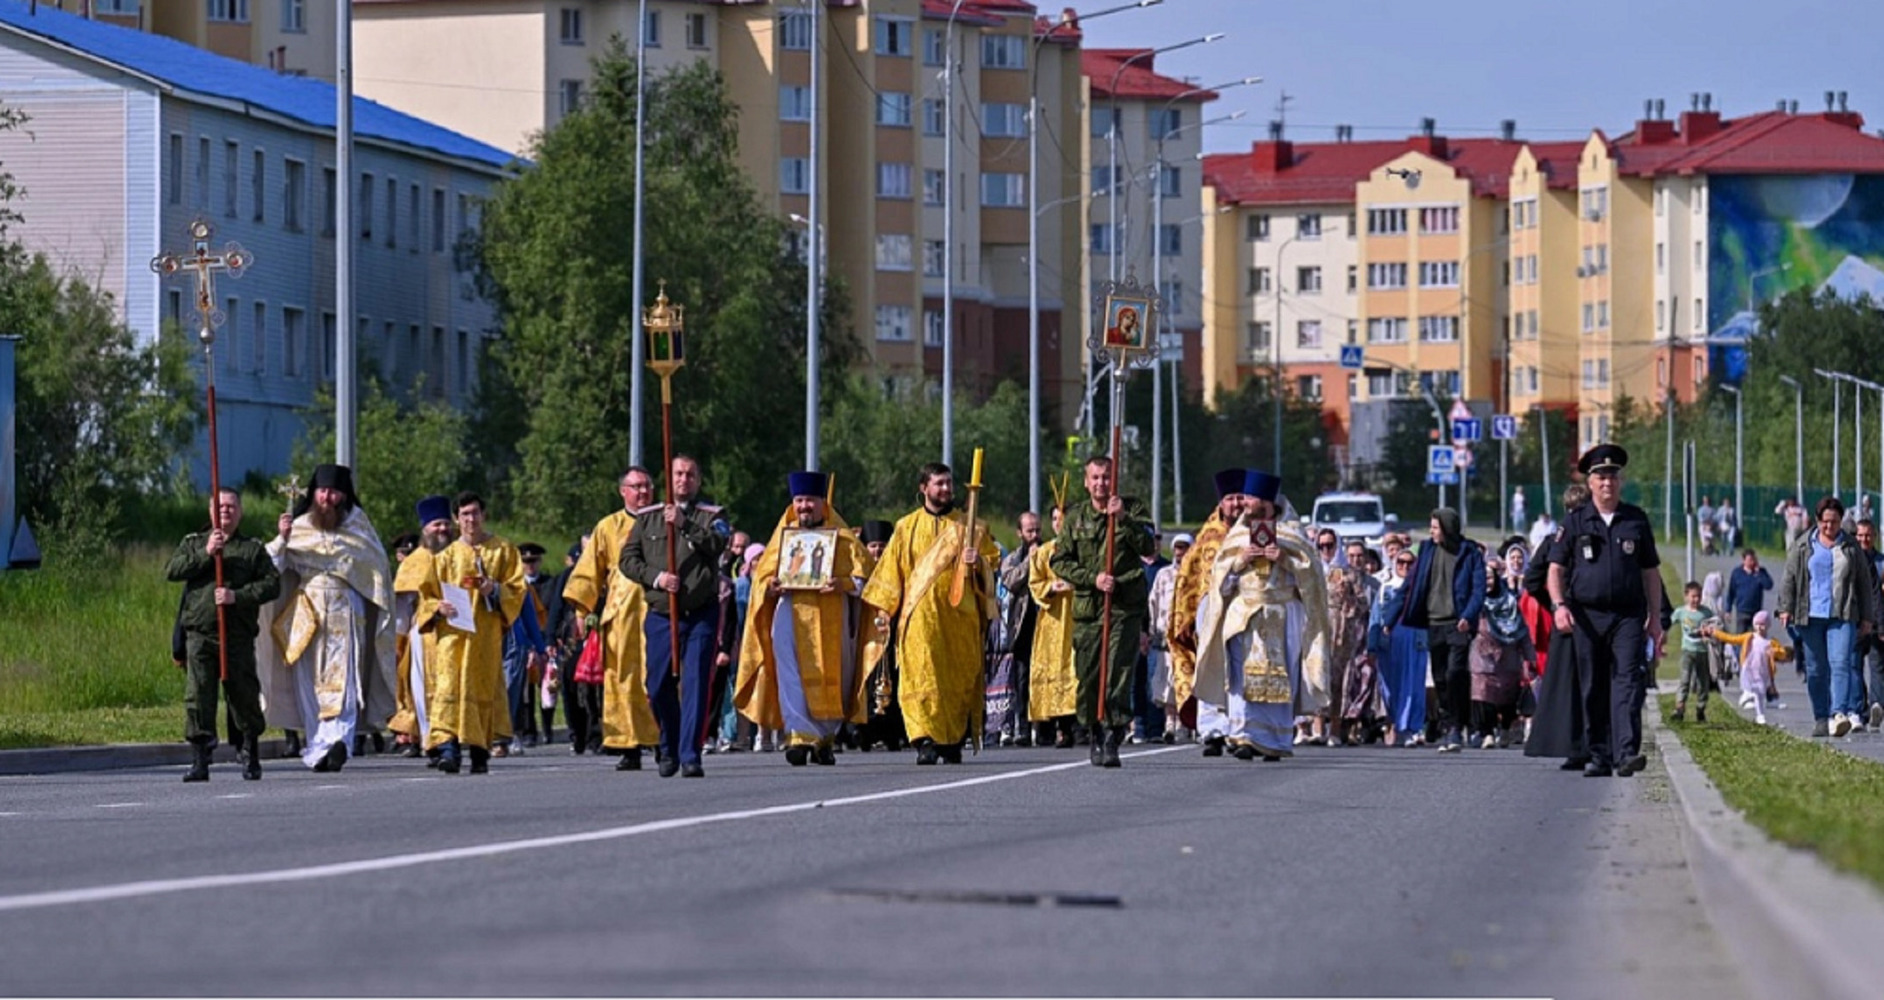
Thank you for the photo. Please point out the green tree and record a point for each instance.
(404, 450)
(556, 249)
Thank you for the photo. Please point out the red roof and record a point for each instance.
(1288, 173)
(1063, 30)
(1138, 81)
(1558, 162)
(968, 13)
(1770, 142)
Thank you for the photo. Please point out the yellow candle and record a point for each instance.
(974, 477)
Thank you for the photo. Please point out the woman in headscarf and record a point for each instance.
(1557, 728)
(1350, 603)
(1502, 660)
(1400, 652)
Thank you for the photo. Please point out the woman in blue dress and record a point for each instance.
(1401, 650)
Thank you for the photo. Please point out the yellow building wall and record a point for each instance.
(475, 66)
(1224, 295)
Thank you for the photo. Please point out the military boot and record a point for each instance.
(1114, 737)
(252, 767)
(1097, 736)
(199, 763)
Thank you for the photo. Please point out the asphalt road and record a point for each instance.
(1343, 871)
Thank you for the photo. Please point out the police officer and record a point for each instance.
(1604, 579)
(699, 539)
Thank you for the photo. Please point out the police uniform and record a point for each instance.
(1604, 563)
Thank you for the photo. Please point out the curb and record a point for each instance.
(1797, 927)
(66, 760)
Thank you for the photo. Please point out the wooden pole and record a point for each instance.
(215, 505)
(667, 463)
(1112, 531)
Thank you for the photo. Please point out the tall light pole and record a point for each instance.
(1798, 438)
(813, 277)
(1837, 379)
(638, 351)
(948, 236)
(346, 402)
(1739, 449)
(1033, 240)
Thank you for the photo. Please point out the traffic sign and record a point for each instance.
(1448, 478)
(1351, 356)
(1462, 458)
(1459, 411)
(1504, 427)
(1467, 430)
(1439, 459)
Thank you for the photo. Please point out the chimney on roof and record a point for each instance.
(1428, 127)
(1276, 155)
(1841, 102)
(1653, 129)
(1508, 130)
(1792, 107)
(1069, 16)
(1648, 110)
(1702, 122)
(1344, 133)
(1661, 112)
(1780, 106)
(1707, 100)
(1694, 100)
(1429, 141)
(1831, 101)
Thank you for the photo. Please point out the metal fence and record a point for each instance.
(1760, 523)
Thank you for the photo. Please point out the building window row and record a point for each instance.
(1524, 213)
(1439, 274)
(1386, 276)
(1439, 219)
(1439, 329)
(1386, 330)
(1386, 221)
(232, 11)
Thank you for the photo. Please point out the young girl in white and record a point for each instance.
(1758, 653)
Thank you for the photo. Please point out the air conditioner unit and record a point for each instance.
(1583, 272)
(1594, 215)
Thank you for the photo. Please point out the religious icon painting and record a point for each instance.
(1262, 533)
(805, 558)
(1127, 322)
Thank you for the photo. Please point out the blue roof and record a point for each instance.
(191, 70)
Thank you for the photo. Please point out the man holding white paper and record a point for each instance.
(474, 593)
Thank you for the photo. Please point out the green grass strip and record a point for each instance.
(1802, 794)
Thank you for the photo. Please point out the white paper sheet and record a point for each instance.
(463, 618)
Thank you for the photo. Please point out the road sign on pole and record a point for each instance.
(1467, 431)
(1504, 427)
(1450, 477)
(1459, 411)
(1351, 356)
(1439, 459)
(1462, 458)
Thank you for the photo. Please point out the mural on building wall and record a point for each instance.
(1770, 234)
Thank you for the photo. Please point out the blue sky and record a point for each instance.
(1558, 69)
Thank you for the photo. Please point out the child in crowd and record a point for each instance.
(1696, 678)
(1758, 654)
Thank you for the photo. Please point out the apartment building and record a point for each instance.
(1145, 132)
(1544, 293)
(288, 36)
(504, 70)
(137, 135)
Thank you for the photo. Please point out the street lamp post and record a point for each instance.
(637, 352)
(1739, 450)
(1837, 379)
(1033, 243)
(1798, 438)
(948, 236)
(813, 278)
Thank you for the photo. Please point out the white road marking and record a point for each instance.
(118, 805)
(236, 795)
(322, 788)
(159, 887)
(12, 814)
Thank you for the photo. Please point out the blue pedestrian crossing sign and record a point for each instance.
(1504, 427)
(1439, 460)
(1468, 431)
(1351, 356)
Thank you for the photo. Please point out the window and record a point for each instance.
(1386, 330)
(1386, 221)
(1256, 338)
(258, 338)
(392, 213)
(1165, 122)
(435, 364)
(293, 327)
(330, 198)
(294, 16)
(325, 372)
(1443, 219)
(1444, 382)
(293, 194)
(1101, 238)
(1107, 123)
(1308, 334)
(1700, 370)
(933, 257)
(794, 103)
(1589, 317)
(1003, 52)
(935, 48)
(1308, 386)
(1700, 198)
(1170, 182)
(1661, 373)
(893, 36)
(1602, 315)
(794, 31)
(231, 174)
(438, 220)
(1439, 329)
(893, 323)
(893, 180)
(1602, 258)
(1308, 227)
(1104, 178)
(933, 120)
(651, 30)
(569, 97)
(1700, 255)
(235, 11)
(1386, 275)
(1661, 202)
(176, 169)
(115, 6)
(1661, 258)
(931, 328)
(1257, 228)
(1382, 383)
(1602, 372)
(794, 175)
(1003, 190)
(1699, 319)
(202, 173)
(1354, 333)
(893, 109)
(933, 182)
(1173, 296)
(1439, 274)
(570, 22)
(1004, 120)
(467, 363)
(1308, 280)
(696, 31)
(1354, 278)
(412, 218)
(232, 358)
(1259, 283)
(467, 215)
(366, 206)
(1171, 241)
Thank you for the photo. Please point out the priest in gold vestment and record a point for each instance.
(939, 647)
(1193, 578)
(417, 647)
(1053, 687)
(468, 710)
(798, 660)
(616, 605)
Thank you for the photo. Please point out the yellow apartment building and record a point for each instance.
(289, 36)
(1543, 290)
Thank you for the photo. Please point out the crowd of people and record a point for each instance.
(669, 629)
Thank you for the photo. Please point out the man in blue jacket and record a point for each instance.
(1444, 596)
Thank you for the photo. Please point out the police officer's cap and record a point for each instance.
(1603, 458)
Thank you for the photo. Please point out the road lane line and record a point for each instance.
(235, 795)
(117, 805)
(159, 887)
